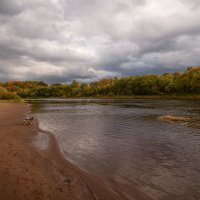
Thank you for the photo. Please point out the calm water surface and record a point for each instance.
(126, 143)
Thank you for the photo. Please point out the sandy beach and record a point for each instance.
(30, 173)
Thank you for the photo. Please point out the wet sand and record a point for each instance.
(31, 173)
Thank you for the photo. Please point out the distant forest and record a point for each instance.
(177, 83)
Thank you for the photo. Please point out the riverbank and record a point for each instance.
(27, 172)
(167, 97)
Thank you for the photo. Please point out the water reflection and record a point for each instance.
(125, 142)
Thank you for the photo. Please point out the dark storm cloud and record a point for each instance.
(9, 7)
(62, 40)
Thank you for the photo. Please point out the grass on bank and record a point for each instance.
(172, 97)
(167, 97)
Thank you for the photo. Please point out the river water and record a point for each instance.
(126, 143)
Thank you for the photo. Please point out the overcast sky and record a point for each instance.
(62, 40)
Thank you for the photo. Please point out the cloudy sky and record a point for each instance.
(62, 40)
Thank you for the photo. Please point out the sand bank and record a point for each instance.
(171, 118)
(30, 173)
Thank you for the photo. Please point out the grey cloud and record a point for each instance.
(65, 78)
(87, 40)
(193, 4)
(9, 7)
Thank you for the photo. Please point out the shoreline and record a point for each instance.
(157, 97)
(27, 172)
(98, 188)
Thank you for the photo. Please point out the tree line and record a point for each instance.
(177, 83)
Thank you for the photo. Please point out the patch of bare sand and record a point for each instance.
(29, 173)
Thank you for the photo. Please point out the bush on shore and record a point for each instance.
(5, 95)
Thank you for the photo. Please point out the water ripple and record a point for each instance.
(127, 143)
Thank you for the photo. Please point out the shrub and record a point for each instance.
(5, 95)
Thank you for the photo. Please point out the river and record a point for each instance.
(127, 144)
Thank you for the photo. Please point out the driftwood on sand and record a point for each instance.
(28, 121)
